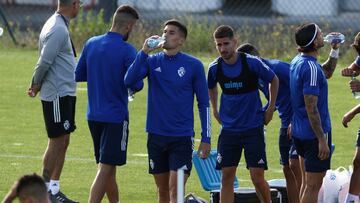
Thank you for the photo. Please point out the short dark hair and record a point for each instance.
(305, 36)
(31, 185)
(224, 31)
(127, 9)
(249, 49)
(179, 25)
(65, 2)
(123, 15)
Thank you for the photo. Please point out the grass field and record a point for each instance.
(23, 137)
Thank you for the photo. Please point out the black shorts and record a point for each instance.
(59, 116)
(110, 142)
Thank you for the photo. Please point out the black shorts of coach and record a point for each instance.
(59, 116)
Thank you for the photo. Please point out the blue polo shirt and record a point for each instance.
(103, 64)
(173, 83)
(283, 103)
(240, 112)
(307, 78)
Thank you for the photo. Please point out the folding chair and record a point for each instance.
(210, 178)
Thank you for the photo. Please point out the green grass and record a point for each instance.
(23, 137)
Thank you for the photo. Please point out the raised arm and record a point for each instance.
(330, 64)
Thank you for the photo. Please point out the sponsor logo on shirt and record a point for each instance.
(233, 85)
(181, 71)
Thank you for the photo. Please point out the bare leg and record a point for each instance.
(303, 177)
(162, 183)
(312, 187)
(54, 157)
(291, 185)
(112, 191)
(261, 186)
(173, 185)
(296, 169)
(101, 182)
(355, 177)
(227, 184)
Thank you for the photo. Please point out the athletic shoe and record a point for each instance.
(53, 198)
(61, 198)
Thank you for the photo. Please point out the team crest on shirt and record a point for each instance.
(151, 163)
(181, 71)
(66, 125)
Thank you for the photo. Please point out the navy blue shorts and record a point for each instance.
(286, 148)
(309, 150)
(110, 141)
(358, 139)
(230, 147)
(169, 153)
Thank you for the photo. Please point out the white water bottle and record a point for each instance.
(356, 94)
(154, 42)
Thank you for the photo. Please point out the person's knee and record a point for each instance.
(227, 179)
(257, 178)
(356, 162)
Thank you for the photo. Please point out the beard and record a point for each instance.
(126, 36)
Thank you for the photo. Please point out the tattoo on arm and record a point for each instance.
(313, 115)
(329, 67)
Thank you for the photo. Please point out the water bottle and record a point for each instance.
(356, 94)
(334, 37)
(154, 42)
(1, 31)
(131, 95)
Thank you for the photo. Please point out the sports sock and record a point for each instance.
(350, 198)
(54, 186)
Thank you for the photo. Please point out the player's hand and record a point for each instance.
(324, 151)
(268, 115)
(146, 48)
(347, 118)
(33, 90)
(217, 116)
(204, 150)
(356, 43)
(347, 72)
(355, 85)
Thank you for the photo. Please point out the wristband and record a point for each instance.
(334, 53)
(357, 61)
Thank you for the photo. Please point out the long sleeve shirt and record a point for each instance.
(173, 83)
(103, 64)
(54, 70)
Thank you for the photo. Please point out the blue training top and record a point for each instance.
(307, 78)
(173, 82)
(240, 112)
(103, 64)
(283, 102)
